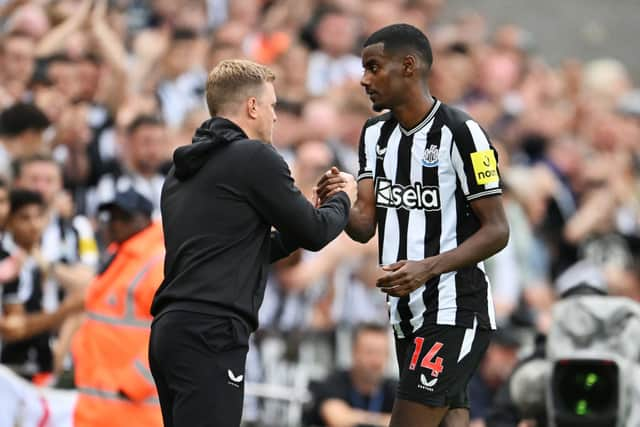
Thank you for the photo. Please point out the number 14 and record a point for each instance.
(428, 361)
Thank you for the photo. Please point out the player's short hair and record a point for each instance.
(398, 38)
(234, 80)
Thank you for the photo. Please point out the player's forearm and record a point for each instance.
(361, 227)
(487, 241)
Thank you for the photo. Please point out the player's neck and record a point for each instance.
(414, 110)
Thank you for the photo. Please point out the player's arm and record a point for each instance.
(493, 234)
(362, 216)
(490, 238)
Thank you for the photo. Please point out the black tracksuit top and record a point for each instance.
(219, 203)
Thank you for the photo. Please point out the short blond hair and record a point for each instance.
(234, 80)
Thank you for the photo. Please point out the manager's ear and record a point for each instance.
(252, 107)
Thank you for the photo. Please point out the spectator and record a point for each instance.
(22, 134)
(9, 266)
(494, 371)
(144, 152)
(181, 85)
(333, 63)
(28, 354)
(17, 52)
(112, 343)
(110, 347)
(360, 396)
(68, 247)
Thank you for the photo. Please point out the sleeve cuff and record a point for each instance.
(492, 192)
(365, 175)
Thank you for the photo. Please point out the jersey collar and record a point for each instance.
(423, 123)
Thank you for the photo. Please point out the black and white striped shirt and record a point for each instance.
(424, 179)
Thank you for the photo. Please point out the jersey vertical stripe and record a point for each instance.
(418, 227)
(403, 178)
(389, 236)
(448, 185)
(424, 181)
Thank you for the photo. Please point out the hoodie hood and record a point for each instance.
(211, 135)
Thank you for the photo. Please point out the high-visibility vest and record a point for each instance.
(110, 349)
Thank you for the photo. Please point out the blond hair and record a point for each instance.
(234, 80)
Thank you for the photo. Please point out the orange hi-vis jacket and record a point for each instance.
(110, 349)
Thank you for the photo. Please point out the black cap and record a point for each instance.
(129, 201)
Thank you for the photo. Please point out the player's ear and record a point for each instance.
(409, 65)
(252, 107)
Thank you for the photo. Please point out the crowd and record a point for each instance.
(95, 95)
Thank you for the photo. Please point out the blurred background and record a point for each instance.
(96, 94)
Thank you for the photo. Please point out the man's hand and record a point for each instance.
(406, 276)
(13, 327)
(332, 182)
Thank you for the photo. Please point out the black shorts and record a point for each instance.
(197, 361)
(437, 362)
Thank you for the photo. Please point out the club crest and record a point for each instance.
(430, 158)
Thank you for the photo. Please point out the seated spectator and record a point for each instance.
(360, 396)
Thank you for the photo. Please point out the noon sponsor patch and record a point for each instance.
(485, 167)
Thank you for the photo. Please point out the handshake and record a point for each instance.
(332, 182)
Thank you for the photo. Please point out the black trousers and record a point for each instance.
(198, 361)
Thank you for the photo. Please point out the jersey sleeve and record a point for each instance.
(365, 159)
(475, 162)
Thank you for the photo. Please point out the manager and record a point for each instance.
(221, 200)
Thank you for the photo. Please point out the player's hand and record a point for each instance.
(13, 327)
(329, 184)
(403, 277)
(332, 182)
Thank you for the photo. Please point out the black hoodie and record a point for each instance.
(219, 203)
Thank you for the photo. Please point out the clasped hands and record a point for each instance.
(400, 278)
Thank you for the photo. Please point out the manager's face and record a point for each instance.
(266, 113)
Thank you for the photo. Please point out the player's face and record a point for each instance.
(266, 106)
(382, 77)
